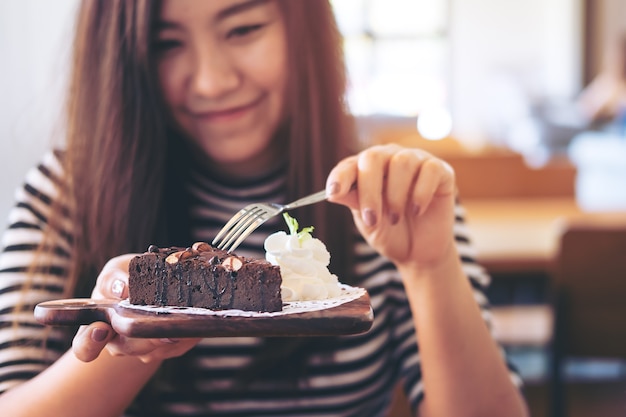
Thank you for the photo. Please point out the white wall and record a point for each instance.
(515, 48)
(35, 43)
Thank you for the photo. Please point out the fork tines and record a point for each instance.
(239, 227)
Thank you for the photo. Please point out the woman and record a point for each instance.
(181, 112)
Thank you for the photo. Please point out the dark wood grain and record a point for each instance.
(350, 318)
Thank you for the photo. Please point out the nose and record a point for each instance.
(214, 74)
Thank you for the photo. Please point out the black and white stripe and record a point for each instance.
(26, 348)
(357, 379)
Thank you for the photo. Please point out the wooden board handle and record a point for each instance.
(349, 318)
(75, 311)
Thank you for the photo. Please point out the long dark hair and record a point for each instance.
(116, 148)
(120, 155)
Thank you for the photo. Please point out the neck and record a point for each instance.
(262, 166)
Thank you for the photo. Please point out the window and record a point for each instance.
(397, 54)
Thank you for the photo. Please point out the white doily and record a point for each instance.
(348, 294)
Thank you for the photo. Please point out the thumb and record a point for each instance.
(90, 340)
(344, 195)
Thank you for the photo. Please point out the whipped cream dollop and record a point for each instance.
(303, 262)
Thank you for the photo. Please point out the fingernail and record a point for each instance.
(332, 189)
(117, 288)
(394, 218)
(169, 341)
(99, 335)
(369, 217)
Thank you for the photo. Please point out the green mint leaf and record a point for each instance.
(291, 223)
(293, 228)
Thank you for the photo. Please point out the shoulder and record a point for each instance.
(39, 189)
(48, 173)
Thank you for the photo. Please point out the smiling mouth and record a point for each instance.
(224, 114)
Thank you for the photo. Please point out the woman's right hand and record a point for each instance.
(90, 340)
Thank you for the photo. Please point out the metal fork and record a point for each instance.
(249, 218)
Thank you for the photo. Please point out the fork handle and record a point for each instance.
(305, 201)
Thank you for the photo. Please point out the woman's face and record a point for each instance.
(222, 68)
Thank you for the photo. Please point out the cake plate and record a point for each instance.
(350, 314)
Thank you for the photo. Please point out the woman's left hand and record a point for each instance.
(90, 340)
(403, 204)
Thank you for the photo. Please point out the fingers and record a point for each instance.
(148, 350)
(126, 346)
(358, 182)
(372, 167)
(90, 340)
(404, 167)
(392, 182)
(169, 348)
(436, 178)
(340, 180)
(113, 279)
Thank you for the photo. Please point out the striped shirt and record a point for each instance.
(353, 376)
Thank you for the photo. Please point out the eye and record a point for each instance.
(242, 31)
(166, 45)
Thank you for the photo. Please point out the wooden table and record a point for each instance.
(522, 235)
(518, 235)
(514, 237)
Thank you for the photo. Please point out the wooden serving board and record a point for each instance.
(352, 317)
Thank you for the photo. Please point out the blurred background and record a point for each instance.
(527, 101)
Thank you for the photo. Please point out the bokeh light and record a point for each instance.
(434, 123)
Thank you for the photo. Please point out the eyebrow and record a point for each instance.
(222, 14)
(239, 7)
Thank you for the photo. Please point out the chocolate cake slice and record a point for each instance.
(203, 276)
